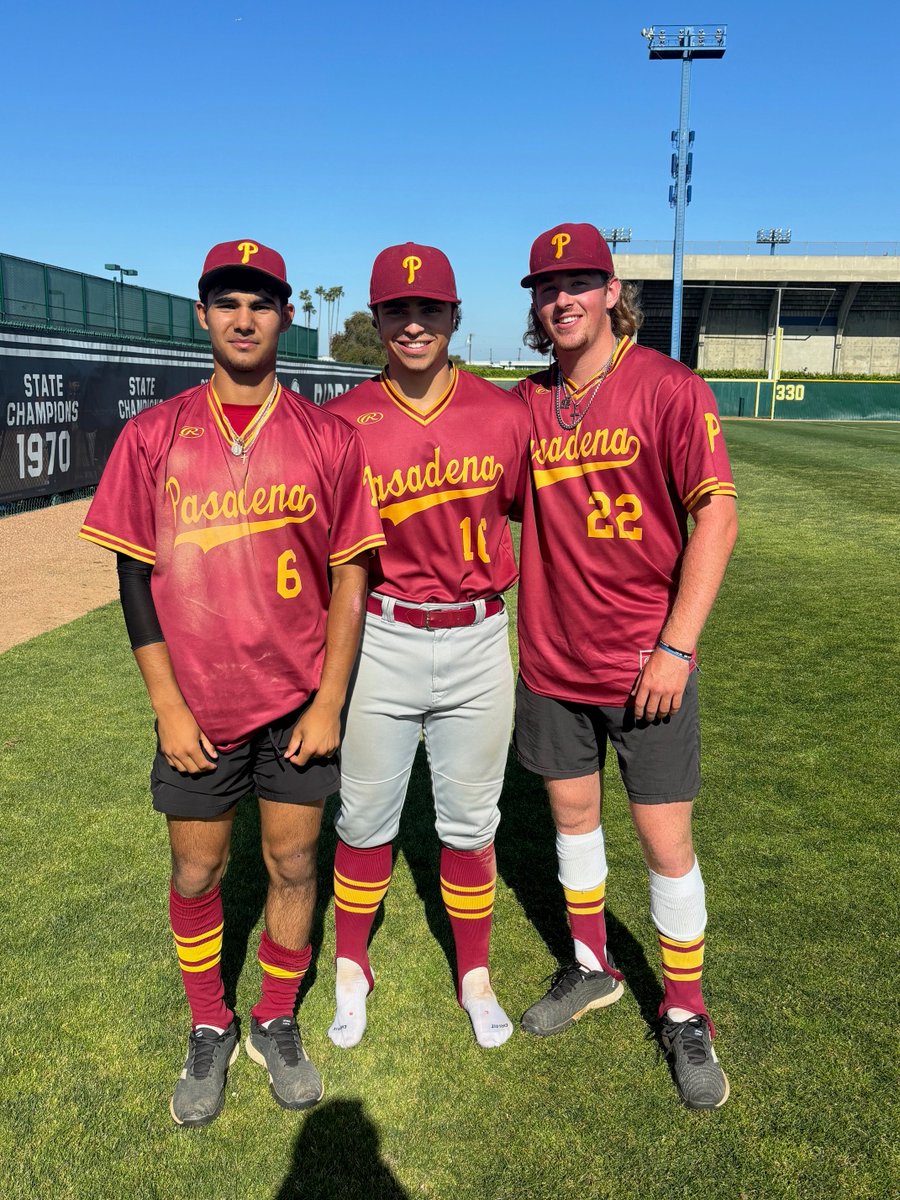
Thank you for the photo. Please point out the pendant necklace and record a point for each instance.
(240, 442)
(565, 400)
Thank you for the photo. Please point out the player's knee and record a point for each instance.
(291, 865)
(193, 877)
(363, 830)
(471, 836)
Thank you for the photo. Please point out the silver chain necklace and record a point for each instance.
(562, 390)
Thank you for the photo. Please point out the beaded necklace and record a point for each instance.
(561, 389)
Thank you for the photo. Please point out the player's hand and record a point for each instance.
(183, 743)
(658, 690)
(316, 735)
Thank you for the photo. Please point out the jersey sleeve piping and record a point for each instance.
(372, 542)
(709, 487)
(118, 545)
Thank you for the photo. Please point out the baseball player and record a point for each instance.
(627, 455)
(447, 457)
(243, 541)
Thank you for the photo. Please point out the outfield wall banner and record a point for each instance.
(815, 400)
(64, 401)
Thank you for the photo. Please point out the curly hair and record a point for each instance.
(626, 318)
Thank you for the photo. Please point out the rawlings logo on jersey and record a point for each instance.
(468, 476)
(226, 512)
(191, 431)
(247, 249)
(369, 418)
(604, 449)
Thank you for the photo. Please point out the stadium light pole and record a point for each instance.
(773, 238)
(686, 42)
(614, 236)
(123, 271)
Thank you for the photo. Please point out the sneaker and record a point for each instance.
(293, 1080)
(695, 1068)
(573, 990)
(200, 1091)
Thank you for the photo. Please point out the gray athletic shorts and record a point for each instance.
(659, 760)
(257, 766)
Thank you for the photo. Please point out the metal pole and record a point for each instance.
(773, 365)
(680, 205)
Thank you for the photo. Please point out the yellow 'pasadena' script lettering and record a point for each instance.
(285, 504)
(582, 453)
(601, 443)
(413, 480)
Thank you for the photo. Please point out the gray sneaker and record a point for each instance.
(200, 1091)
(695, 1068)
(293, 1080)
(573, 990)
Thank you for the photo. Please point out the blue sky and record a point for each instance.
(142, 133)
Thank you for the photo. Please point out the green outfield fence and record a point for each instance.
(807, 400)
(37, 296)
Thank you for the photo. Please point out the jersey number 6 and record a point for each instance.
(288, 582)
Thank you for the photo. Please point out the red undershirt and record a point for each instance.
(240, 415)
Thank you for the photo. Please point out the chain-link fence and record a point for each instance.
(35, 295)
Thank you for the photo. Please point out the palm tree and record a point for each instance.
(306, 305)
(338, 292)
(323, 299)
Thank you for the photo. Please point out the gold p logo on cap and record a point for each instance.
(412, 263)
(247, 249)
(560, 241)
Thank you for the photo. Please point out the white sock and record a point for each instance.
(491, 1024)
(351, 989)
(678, 905)
(582, 859)
(585, 957)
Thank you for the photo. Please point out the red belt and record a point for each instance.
(436, 618)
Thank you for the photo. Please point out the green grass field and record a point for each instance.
(796, 832)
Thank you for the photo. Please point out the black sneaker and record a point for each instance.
(200, 1092)
(293, 1080)
(573, 990)
(695, 1068)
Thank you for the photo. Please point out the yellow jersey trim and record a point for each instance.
(403, 404)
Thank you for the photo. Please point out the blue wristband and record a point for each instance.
(682, 654)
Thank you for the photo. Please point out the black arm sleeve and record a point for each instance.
(141, 620)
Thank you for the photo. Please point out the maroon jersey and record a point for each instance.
(240, 544)
(607, 521)
(443, 482)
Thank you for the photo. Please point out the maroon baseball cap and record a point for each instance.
(231, 256)
(412, 270)
(569, 248)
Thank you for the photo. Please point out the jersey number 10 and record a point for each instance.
(468, 553)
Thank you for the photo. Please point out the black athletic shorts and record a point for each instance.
(256, 766)
(659, 760)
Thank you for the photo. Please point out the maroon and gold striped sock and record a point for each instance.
(283, 972)
(468, 883)
(682, 964)
(197, 923)
(587, 921)
(361, 879)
